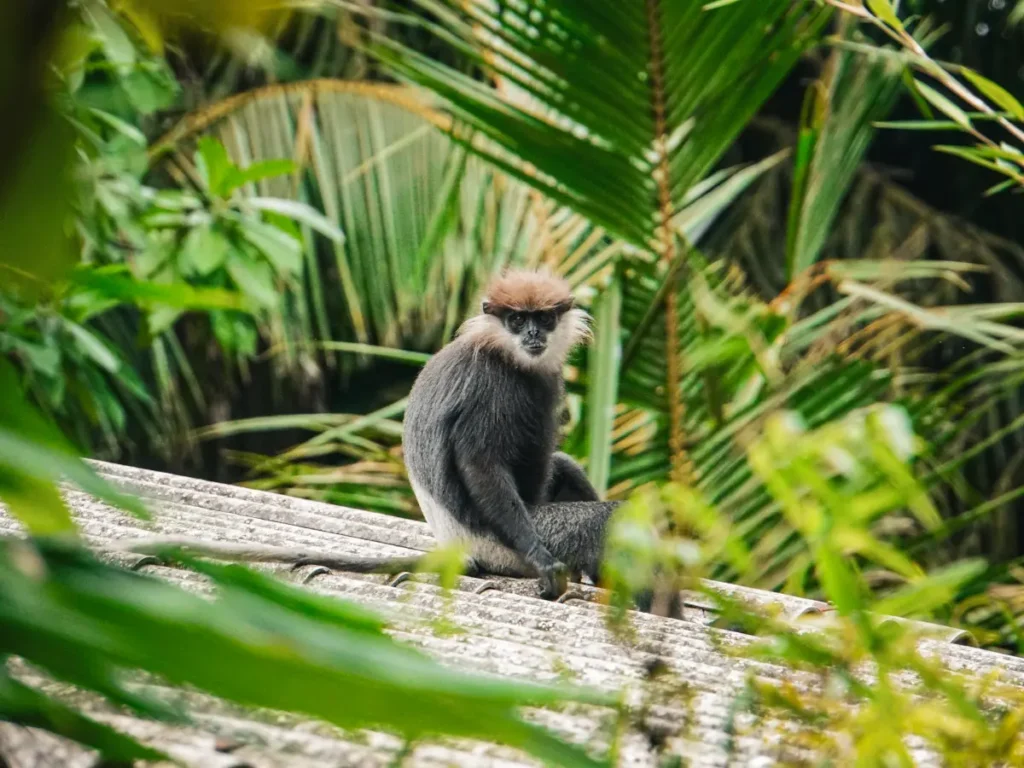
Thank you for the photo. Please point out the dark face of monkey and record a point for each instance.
(530, 327)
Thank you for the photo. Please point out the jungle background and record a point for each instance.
(234, 232)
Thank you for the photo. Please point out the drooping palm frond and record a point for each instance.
(619, 109)
(620, 93)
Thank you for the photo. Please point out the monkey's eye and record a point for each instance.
(516, 321)
(547, 320)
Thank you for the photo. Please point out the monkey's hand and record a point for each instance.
(552, 574)
(554, 580)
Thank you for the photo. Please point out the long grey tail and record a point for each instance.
(362, 564)
(167, 546)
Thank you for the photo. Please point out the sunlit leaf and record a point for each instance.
(996, 92)
(301, 213)
(261, 169)
(944, 105)
(254, 277)
(883, 10)
(213, 164)
(283, 250)
(204, 250)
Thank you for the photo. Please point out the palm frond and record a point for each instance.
(839, 113)
(618, 110)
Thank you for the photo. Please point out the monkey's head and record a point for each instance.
(532, 316)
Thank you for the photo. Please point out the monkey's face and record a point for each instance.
(537, 337)
(531, 329)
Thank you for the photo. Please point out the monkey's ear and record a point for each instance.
(486, 307)
(563, 307)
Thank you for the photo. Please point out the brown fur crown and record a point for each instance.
(529, 290)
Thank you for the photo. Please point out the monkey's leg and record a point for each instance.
(574, 532)
(497, 501)
(568, 481)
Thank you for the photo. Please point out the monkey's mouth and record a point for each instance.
(535, 350)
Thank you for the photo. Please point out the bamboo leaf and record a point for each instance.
(944, 105)
(883, 10)
(1002, 97)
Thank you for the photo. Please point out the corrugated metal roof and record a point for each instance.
(505, 630)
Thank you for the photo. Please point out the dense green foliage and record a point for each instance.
(251, 198)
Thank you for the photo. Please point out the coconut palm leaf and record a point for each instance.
(622, 93)
(839, 112)
(618, 111)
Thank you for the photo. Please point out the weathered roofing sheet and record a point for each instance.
(506, 631)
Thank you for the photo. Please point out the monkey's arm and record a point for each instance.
(162, 545)
(501, 510)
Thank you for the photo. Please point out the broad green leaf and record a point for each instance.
(42, 358)
(283, 250)
(116, 283)
(150, 90)
(35, 457)
(92, 346)
(35, 249)
(176, 200)
(254, 277)
(299, 212)
(126, 129)
(75, 46)
(213, 164)
(996, 92)
(204, 250)
(117, 45)
(261, 169)
(147, 25)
